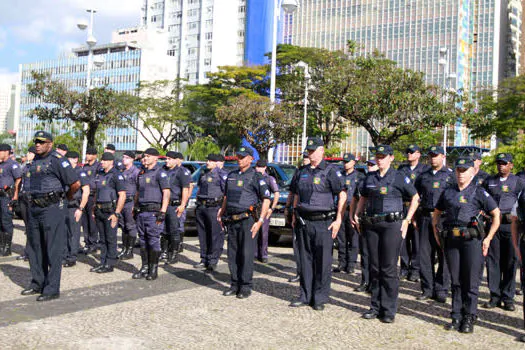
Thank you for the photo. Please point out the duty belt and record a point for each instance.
(175, 203)
(149, 207)
(209, 202)
(506, 219)
(388, 217)
(427, 211)
(129, 199)
(5, 192)
(330, 215)
(45, 200)
(463, 232)
(236, 217)
(105, 205)
(75, 203)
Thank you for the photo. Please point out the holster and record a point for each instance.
(149, 207)
(106, 208)
(175, 203)
(47, 199)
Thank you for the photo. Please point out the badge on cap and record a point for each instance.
(433, 148)
(310, 142)
(461, 161)
(381, 149)
(411, 146)
(501, 155)
(242, 149)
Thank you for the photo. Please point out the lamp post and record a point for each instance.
(289, 6)
(445, 62)
(305, 115)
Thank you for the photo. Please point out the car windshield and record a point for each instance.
(289, 170)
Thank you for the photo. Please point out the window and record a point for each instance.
(208, 36)
(242, 9)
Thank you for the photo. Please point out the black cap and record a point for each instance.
(475, 155)
(107, 156)
(305, 154)
(152, 152)
(347, 157)
(214, 157)
(110, 146)
(43, 136)
(436, 150)
(5, 147)
(32, 149)
(221, 158)
(261, 163)
(384, 149)
(313, 143)
(372, 160)
(412, 148)
(130, 154)
(464, 163)
(244, 151)
(91, 150)
(72, 154)
(63, 147)
(174, 155)
(504, 157)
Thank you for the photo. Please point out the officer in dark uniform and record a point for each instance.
(75, 210)
(430, 185)
(180, 180)
(50, 174)
(151, 203)
(23, 197)
(519, 291)
(261, 252)
(464, 242)
(385, 226)
(410, 248)
(110, 148)
(502, 261)
(347, 238)
(89, 227)
(127, 221)
(110, 197)
(245, 190)
(479, 175)
(10, 178)
(317, 221)
(211, 184)
(518, 239)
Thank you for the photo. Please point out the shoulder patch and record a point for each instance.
(338, 173)
(65, 164)
(407, 180)
(486, 193)
(262, 182)
(163, 174)
(224, 177)
(83, 174)
(186, 172)
(15, 166)
(120, 177)
(57, 155)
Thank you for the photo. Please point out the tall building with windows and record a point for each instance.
(7, 106)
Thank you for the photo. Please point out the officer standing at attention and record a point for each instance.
(89, 227)
(245, 189)
(23, 198)
(211, 184)
(317, 220)
(502, 261)
(430, 185)
(50, 173)
(110, 197)
(262, 239)
(127, 222)
(110, 148)
(465, 243)
(75, 209)
(151, 203)
(385, 226)
(180, 180)
(348, 242)
(518, 240)
(479, 175)
(10, 178)
(410, 248)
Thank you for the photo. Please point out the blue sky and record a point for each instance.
(35, 30)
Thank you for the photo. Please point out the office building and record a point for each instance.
(7, 106)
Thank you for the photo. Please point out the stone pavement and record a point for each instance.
(184, 309)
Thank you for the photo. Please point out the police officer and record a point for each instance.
(151, 203)
(110, 197)
(127, 222)
(75, 209)
(479, 175)
(89, 227)
(501, 261)
(10, 178)
(23, 198)
(261, 252)
(212, 183)
(371, 164)
(62, 149)
(385, 226)
(180, 180)
(518, 239)
(464, 241)
(317, 221)
(110, 148)
(430, 185)
(347, 239)
(410, 248)
(245, 189)
(50, 174)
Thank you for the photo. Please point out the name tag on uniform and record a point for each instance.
(317, 180)
(240, 183)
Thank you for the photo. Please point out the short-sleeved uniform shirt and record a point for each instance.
(180, 178)
(108, 185)
(9, 172)
(431, 184)
(244, 190)
(50, 173)
(150, 184)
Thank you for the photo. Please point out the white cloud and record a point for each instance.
(3, 37)
(8, 77)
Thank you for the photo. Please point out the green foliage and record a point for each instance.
(334, 151)
(201, 148)
(517, 149)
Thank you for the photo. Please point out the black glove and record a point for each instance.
(160, 216)
(136, 212)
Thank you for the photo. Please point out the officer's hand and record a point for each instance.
(161, 216)
(13, 204)
(269, 213)
(334, 227)
(78, 215)
(114, 220)
(180, 210)
(414, 223)
(355, 222)
(255, 228)
(486, 245)
(404, 228)
(293, 220)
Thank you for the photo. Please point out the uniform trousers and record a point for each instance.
(241, 249)
(127, 221)
(348, 244)
(89, 227)
(73, 235)
(108, 238)
(149, 231)
(501, 266)
(211, 236)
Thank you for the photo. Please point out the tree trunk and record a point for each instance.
(90, 133)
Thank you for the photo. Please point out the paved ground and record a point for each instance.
(184, 309)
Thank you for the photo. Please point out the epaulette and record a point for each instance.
(56, 154)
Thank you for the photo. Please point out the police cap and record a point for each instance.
(110, 146)
(5, 147)
(72, 154)
(63, 147)
(464, 163)
(372, 161)
(152, 152)
(214, 157)
(313, 143)
(261, 163)
(174, 155)
(434, 150)
(244, 151)
(43, 136)
(413, 148)
(32, 149)
(384, 149)
(347, 157)
(504, 157)
(91, 150)
(130, 154)
(107, 156)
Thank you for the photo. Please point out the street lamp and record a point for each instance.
(91, 42)
(306, 83)
(444, 61)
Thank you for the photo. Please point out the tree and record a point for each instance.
(58, 102)
(201, 148)
(262, 124)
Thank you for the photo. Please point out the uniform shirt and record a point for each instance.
(431, 184)
(108, 184)
(9, 172)
(506, 192)
(150, 184)
(82, 176)
(91, 172)
(480, 177)
(212, 184)
(131, 176)
(244, 190)
(51, 173)
(317, 188)
(180, 178)
(271, 182)
(412, 174)
(350, 184)
(385, 194)
(461, 206)
(24, 186)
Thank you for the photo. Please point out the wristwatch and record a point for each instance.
(118, 215)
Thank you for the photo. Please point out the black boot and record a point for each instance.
(153, 264)
(144, 270)
(164, 242)
(7, 245)
(173, 251)
(129, 248)
(122, 253)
